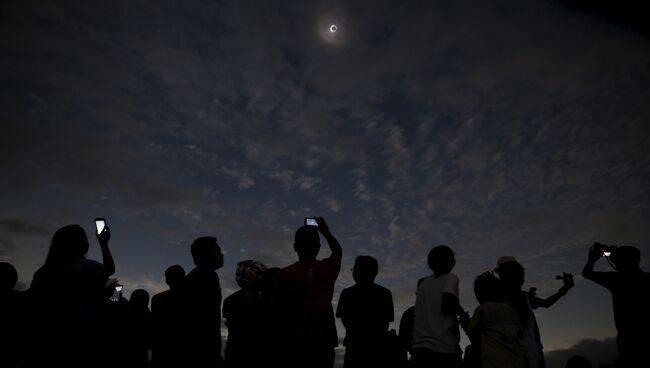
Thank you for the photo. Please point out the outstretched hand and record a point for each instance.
(567, 279)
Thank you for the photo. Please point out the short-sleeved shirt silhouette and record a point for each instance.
(498, 332)
(433, 329)
(309, 286)
(367, 310)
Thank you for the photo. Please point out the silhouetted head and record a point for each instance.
(249, 274)
(365, 270)
(139, 299)
(626, 258)
(441, 260)
(69, 245)
(307, 243)
(511, 273)
(175, 276)
(8, 276)
(206, 253)
(577, 361)
(487, 288)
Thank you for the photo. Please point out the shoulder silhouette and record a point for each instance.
(512, 276)
(12, 318)
(305, 291)
(494, 330)
(436, 335)
(203, 304)
(366, 310)
(66, 295)
(168, 314)
(243, 312)
(630, 288)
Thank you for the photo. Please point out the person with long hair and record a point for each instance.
(65, 296)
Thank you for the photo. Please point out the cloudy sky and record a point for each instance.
(498, 128)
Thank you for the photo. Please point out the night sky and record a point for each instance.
(497, 127)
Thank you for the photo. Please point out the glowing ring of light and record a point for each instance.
(333, 28)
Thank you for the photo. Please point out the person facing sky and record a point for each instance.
(305, 292)
(630, 288)
(436, 335)
(244, 316)
(366, 310)
(203, 304)
(494, 329)
(167, 310)
(512, 275)
(66, 295)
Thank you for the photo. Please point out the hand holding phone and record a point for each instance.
(102, 231)
(117, 293)
(311, 221)
(100, 225)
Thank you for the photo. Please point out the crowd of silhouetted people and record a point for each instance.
(74, 315)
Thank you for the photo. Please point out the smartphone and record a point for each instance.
(100, 225)
(117, 293)
(310, 221)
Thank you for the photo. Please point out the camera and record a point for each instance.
(605, 250)
(310, 221)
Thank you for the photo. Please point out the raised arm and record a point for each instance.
(595, 252)
(107, 257)
(545, 303)
(605, 279)
(334, 245)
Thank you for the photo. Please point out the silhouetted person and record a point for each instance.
(436, 335)
(139, 327)
(114, 326)
(577, 361)
(203, 302)
(494, 329)
(272, 321)
(511, 273)
(305, 290)
(630, 288)
(406, 331)
(66, 294)
(366, 310)
(244, 316)
(168, 312)
(12, 315)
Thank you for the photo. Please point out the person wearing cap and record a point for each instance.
(305, 292)
(511, 273)
(243, 312)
